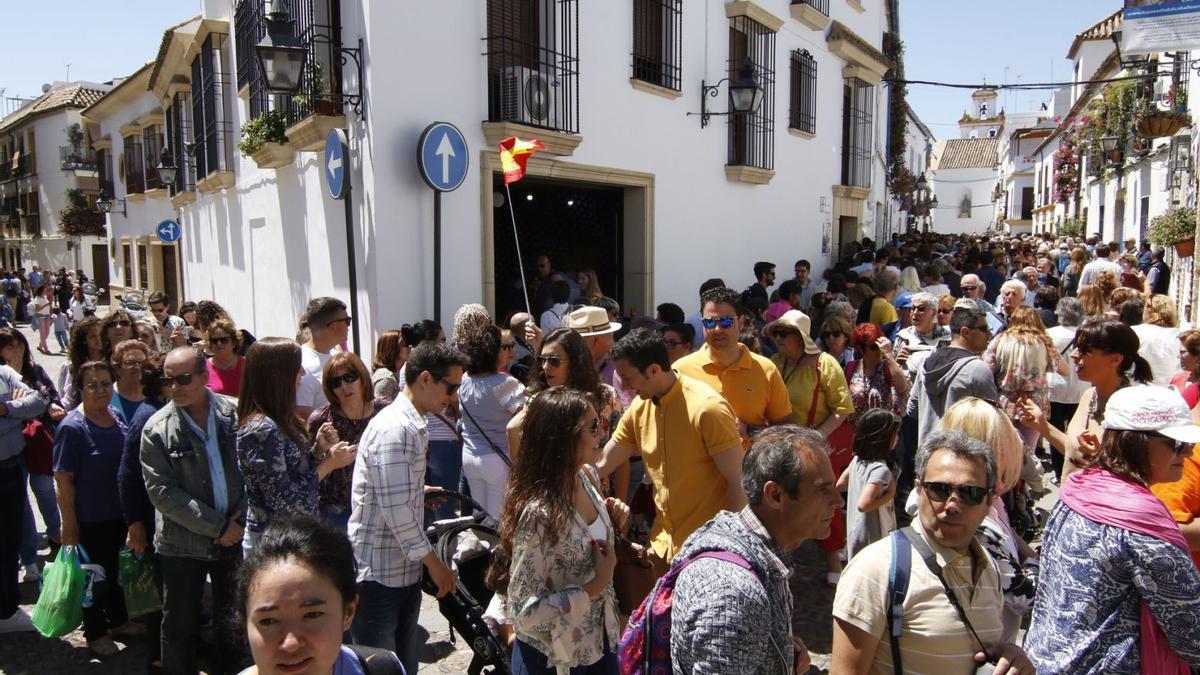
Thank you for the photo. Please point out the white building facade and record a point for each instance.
(47, 165)
(631, 183)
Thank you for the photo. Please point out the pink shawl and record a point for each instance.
(1106, 498)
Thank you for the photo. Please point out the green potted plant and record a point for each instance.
(1070, 227)
(323, 101)
(75, 137)
(1175, 227)
(264, 139)
(1151, 121)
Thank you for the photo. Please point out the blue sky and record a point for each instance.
(968, 41)
(99, 40)
(945, 40)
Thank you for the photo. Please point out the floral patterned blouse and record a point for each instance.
(281, 476)
(550, 610)
(871, 391)
(335, 489)
(1020, 364)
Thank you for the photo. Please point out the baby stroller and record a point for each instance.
(465, 545)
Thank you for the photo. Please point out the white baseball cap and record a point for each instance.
(1150, 408)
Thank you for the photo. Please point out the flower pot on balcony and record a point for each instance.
(274, 155)
(327, 107)
(1157, 125)
(1185, 248)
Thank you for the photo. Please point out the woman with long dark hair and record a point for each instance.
(115, 328)
(350, 409)
(1106, 355)
(84, 345)
(276, 459)
(556, 542)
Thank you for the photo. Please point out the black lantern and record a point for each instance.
(280, 55)
(1109, 143)
(745, 94)
(166, 167)
(105, 203)
(922, 183)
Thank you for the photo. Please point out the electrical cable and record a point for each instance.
(1028, 86)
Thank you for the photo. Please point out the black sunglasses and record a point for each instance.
(831, 334)
(551, 360)
(220, 340)
(450, 386)
(121, 323)
(672, 344)
(970, 495)
(508, 346)
(345, 378)
(1176, 446)
(182, 379)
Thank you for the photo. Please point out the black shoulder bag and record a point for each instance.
(483, 433)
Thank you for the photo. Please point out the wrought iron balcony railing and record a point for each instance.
(71, 159)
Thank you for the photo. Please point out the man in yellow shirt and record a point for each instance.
(882, 310)
(749, 382)
(687, 436)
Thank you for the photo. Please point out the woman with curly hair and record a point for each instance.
(84, 345)
(488, 400)
(555, 560)
(1092, 297)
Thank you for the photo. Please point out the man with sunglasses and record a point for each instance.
(387, 496)
(956, 487)
(923, 336)
(170, 327)
(328, 326)
(953, 372)
(973, 288)
(749, 382)
(190, 464)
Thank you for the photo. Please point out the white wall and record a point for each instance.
(951, 186)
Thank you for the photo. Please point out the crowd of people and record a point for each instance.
(917, 396)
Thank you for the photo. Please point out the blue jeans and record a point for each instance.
(528, 660)
(444, 469)
(43, 491)
(387, 618)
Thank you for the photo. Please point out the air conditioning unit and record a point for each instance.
(530, 97)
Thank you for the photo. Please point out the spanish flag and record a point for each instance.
(514, 152)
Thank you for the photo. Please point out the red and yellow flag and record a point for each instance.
(514, 152)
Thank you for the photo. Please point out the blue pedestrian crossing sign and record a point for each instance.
(169, 231)
(442, 156)
(337, 160)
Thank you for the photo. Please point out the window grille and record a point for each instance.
(821, 6)
(752, 135)
(151, 147)
(135, 180)
(533, 63)
(658, 42)
(179, 133)
(210, 115)
(250, 27)
(804, 92)
(858, 102)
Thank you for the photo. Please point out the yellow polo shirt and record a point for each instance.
(678, 435)
(752, 385)
(833, 394)
(882, 311)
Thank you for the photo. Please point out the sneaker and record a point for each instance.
(17, 623)
(32, 573)
(104, 647)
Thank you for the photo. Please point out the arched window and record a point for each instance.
(983, 111)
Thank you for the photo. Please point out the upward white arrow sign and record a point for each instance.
(335, 163)
(445, 150)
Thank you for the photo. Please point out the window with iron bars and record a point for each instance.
(803, 116)
(104, 171)
(533, 63)
(858, 106)
(752, 135)
(317, 26)
(179, 133)
(135, 179)
(151, 147)
(210, 112)
(250, 27)
(658, 42)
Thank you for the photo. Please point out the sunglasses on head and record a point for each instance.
(182, 379)
(551, 360)
(723, 322)
(970, 495)
(349, 377)
(450, 386)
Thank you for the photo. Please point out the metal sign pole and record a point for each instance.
(353, 264)
(437, 256)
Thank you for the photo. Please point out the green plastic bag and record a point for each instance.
(59, 607)
(139, 581)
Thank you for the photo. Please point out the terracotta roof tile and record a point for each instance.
(968, 153)
(76, 96)
(1101, 30)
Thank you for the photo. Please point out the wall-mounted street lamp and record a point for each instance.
(166, 167)
(281, 55)
(745, 94)
(105, 203)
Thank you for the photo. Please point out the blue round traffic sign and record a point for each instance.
(442, 156)
(337, 162)
(169, 231)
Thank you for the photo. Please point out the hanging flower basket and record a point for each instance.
(1160, 124)
(1185, 248)
(1176, 227)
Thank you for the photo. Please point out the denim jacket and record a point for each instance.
(178, 480)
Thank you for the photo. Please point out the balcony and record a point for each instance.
(811, 13)
(32, 225)
(76, 159)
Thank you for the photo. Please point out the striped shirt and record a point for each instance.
(934, 640)
(387, 497)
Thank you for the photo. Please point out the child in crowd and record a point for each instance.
(59, 320)
(870, 480)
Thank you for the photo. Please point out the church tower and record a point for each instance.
(985, 117)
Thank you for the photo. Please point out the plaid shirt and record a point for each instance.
(387, 497)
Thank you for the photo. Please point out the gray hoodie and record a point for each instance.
(949, 375)
(725, 619)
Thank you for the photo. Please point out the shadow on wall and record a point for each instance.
(294, 233)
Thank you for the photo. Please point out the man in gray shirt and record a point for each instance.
(18, 403)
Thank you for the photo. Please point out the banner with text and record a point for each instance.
(1160, 26)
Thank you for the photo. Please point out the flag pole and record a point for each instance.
(517, 241)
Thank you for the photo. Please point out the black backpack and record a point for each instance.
(375, 661)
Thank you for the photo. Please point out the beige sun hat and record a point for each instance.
(794, 320)
(590, 321)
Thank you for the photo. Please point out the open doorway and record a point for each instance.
(577, 225)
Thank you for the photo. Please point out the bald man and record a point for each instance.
(522, 361)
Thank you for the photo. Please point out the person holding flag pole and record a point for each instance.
(514, 153)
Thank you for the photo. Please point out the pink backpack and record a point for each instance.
(645, 647)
